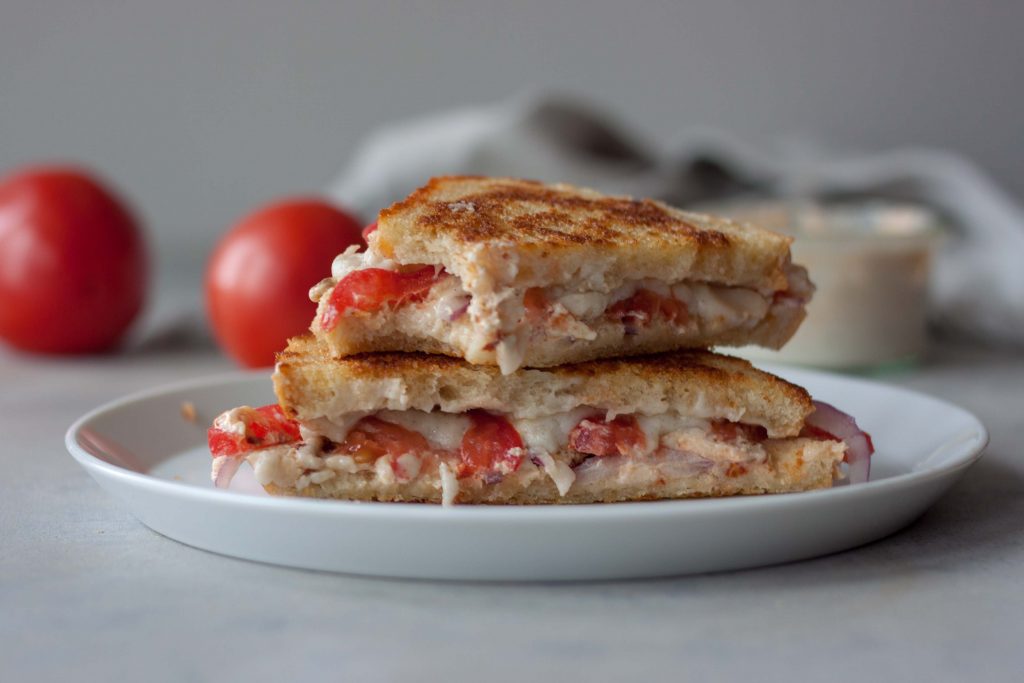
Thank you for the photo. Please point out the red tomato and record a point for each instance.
(596, 436)
(730, 432)
(368, 230)
(260, 274)
(488, 445)
(645, 305)
(535, 303)
(264, 426)
(372, 288)
(371, 438)
(73, 263)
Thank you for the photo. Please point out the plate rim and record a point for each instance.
(974, 448)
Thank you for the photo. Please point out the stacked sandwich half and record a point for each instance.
(504, 341)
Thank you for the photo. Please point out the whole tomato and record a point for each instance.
(73, 264)
(258, 280)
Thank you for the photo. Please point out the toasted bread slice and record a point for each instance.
(311, 384)
(522, 233)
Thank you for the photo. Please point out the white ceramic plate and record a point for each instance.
(143, 451)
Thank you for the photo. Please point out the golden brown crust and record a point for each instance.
(310, 384)
(532, 212)
(524, 233)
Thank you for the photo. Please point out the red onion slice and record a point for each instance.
(459, 312)
(453, 306)
(827, 421)
(685, 463)
(596, 468)
(224, 469)
(784, 300)
(858, 455)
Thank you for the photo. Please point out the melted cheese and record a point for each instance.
(561, 474)
(275, 466)
(549, 434)
(442, 430)
(584, 305)
(655, 427)
(232, 421)
(449, 484)
(509, 353)
(352, 259)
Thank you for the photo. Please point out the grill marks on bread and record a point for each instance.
(520, 233)
(470, 210)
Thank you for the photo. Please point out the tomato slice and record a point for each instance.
(812, 432)
(535, 303)
(491, 445)
(644, 306)
(264, 426)
(372, 437)
(371, 289)
(731, 432)
(597, 436)
(368, 230)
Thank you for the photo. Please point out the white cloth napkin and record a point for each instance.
(978, 285)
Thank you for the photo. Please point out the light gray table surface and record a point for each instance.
(87, 593)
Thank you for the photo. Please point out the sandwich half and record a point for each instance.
(435, 429)
(515, 273)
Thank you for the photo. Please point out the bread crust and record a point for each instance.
(311, 384)
(522, 233)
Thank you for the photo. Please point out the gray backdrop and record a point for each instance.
(201, 110)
